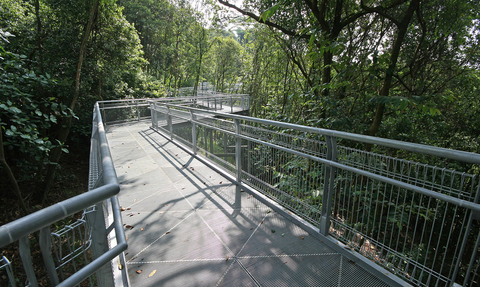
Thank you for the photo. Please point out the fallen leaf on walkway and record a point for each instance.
(273, 230)
(167, 232)
(227, 258)
(128, 208)
(302, 237)
(122, 209)
(141, 229)
(139, 271)
(153, 272)
(220, 182)
(162, 212)
(129, 226)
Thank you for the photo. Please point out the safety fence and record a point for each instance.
(413, 209)
(81, 239)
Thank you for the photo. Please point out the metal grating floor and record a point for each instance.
(187, 226)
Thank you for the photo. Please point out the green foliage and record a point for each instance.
(26, 118)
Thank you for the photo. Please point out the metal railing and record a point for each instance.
(83, 250)
(404, 206)
(118, 111)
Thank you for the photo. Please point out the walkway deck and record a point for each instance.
(186, 226)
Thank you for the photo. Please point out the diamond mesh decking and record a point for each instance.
(187, 226)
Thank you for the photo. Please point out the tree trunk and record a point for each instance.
(387, 82)
(39, 35)
(11, 176)
(66, 122)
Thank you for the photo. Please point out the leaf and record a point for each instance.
(139, 271)
(15, 110)
(269, 13)
(53, 119)
(153, 272)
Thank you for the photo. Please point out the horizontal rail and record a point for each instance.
(413, 147)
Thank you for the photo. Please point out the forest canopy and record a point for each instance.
(400, 69)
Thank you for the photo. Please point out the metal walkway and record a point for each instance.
(187, 226)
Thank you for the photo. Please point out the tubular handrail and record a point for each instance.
(413, 147)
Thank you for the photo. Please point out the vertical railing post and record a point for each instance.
(104, 117)
(169, 122)
(153, 115)
(231, 104)
(8, 268)
(328, 188)
(100, 244)
(46, 248)
(194, 133)
(26, 256)
(215, 102)
(138, 111)
(238, 153)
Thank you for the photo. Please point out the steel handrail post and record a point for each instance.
(238, 152)
(138, 111)
(328, 186)
(194, 133)
(169, 122)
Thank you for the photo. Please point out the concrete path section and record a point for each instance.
(186, 225)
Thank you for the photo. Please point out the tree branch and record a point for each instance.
(266, 22)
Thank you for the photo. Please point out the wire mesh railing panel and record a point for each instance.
(291, 139)
(217, 146)
(295, 182)
(71, 246)
(457, 184)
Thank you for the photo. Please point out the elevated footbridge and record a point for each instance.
(213, 198)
